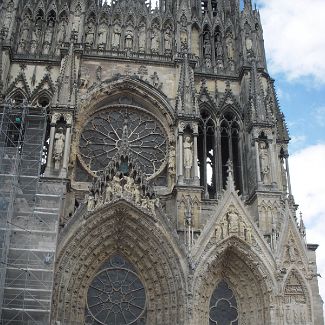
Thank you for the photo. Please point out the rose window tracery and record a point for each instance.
(127, 131)
(223, 306)
(116, 296)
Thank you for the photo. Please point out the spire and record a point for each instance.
(230, 183)
(302, 228)
(186, 95)
(257, 103)
(67, 83)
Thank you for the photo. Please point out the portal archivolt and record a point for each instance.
(118, 229)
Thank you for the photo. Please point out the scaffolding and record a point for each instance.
(29, 214)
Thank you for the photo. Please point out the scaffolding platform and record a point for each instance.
(29, 217)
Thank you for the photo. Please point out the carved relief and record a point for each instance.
(232, 224)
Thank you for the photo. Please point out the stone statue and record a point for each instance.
(90, 33)
(188, 156)
(207, 45)
(108, 192)
(36, 35)
(129, 186)
(142, 38)
(116, 36)
(137, 195)
(91, 202)
(9, 14)
(155, 80)
(129, 38)
(61, 35)
(48, 37)
(102, 35)
(264, 163)
(249, 44)
(218, 47)
(58, 147)
(232, 217)
(155, 40)
(76, 19)
(168, 40)
(172, 166)
(230, 47)
(117, 185)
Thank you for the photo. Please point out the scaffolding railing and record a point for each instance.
(29, 221)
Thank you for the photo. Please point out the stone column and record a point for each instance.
(180, 155)
(258, 167)
(66, 153)
(288, 173)
(195, 156)
(50, 152)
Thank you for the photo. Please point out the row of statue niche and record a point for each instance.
(219, 45)
(122, 186)
(233, 225)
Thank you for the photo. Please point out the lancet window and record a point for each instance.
(219, 143)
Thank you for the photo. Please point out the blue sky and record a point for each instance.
(295, 46)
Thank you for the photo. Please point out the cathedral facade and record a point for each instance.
(144, 169)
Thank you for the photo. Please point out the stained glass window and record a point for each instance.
(223, 306)
(131, 132)
(116, 296)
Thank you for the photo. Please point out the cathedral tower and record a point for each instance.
(144, 169)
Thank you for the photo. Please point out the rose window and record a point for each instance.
(223, 306)
(116, 296)
(128, 131)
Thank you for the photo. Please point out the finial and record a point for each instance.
(230, 185)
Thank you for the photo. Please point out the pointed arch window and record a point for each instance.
(230, 147)
(116, 296)
(223, 306)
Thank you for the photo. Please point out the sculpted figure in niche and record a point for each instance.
(168, 40)
(129, 186)
(129, 38)
(48, 37)
(58, 147)
(155, 40)
(218, 46)
(102, 35)
(90, 33)
(108, 192)
(207, 45)
(91, 202)
(35, 39)
(230, 46)
(9, 14)
(23, 39)
(232, 217)
(117, 185)
(76, 20)
(264, 163)
(137, 195)
(142, 37)
(188, 156)
(172, 166)
(116, 36)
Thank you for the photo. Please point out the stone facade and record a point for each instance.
(166, 141)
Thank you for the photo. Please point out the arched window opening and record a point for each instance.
(116, 295)
(207, 155)
(214, 7)
(230, 148)
(204, 6)
(223, 306)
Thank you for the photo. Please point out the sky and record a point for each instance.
(295, 46)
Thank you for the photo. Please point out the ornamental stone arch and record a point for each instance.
(297, 307)
(234, 263)
(91, 239)
(131, 100)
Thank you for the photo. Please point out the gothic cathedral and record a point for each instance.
(144, 172)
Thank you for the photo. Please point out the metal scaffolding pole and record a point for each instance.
(31, 221)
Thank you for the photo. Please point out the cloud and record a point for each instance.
(307, 176)
(319, 116)
(294, 40)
